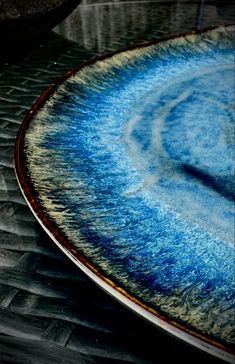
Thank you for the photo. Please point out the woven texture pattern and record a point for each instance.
(49, 311)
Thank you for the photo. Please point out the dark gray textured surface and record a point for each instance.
(49, 311)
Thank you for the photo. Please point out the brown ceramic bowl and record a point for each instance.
(21, 21)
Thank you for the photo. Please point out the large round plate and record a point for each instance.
(127, 162)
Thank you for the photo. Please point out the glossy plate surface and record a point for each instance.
(128, 164)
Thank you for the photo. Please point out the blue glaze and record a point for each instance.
(139, 156)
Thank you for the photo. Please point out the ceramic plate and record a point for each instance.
(127, 162)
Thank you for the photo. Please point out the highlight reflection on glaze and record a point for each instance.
(133, 159)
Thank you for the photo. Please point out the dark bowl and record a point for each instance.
(21, 21)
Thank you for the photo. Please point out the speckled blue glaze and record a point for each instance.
(133, 158)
